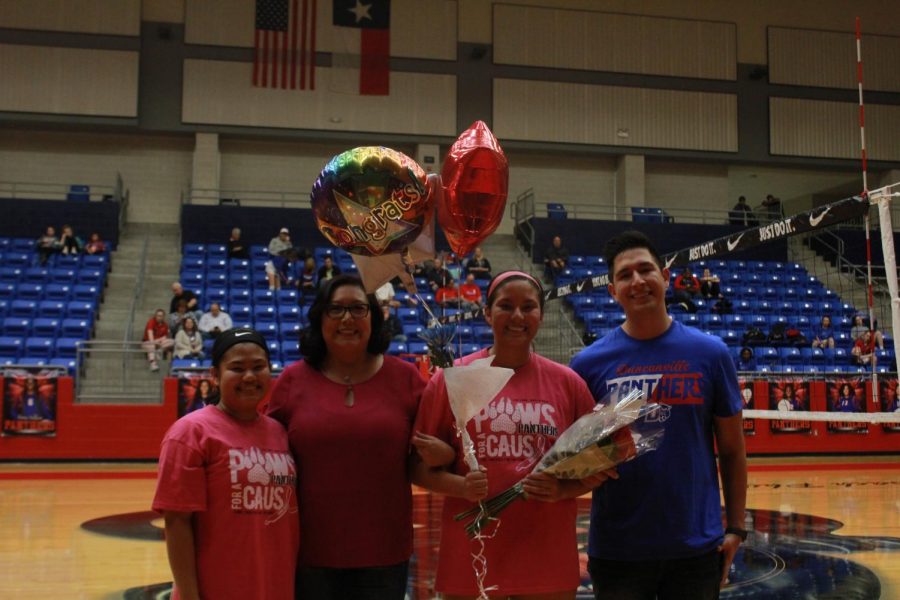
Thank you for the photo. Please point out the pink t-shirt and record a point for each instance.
(354, 493)
(239, 480)
(535, 549)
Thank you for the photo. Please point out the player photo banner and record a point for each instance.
(29, 404)
(195, 390)
(846, 396)
(889, 393)
(746, 386)
(789, 396)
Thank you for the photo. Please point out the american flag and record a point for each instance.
(285, 44)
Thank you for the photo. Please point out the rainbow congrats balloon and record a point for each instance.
(372, 200)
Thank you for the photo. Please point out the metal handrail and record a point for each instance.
(283, 199)
(51, 191)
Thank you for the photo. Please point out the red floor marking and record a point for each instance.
(826, 467)
(79, 475)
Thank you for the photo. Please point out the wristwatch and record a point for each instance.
(741, 533)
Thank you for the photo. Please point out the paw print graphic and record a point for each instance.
(504, 416)
(258, 475)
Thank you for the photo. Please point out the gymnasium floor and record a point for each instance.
(823, 528)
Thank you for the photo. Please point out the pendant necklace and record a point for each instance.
(348, 397)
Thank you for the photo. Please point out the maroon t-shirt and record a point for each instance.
(354, 493)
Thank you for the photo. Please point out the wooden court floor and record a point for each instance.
(834, 519)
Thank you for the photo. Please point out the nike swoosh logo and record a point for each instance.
(814, 221)
(580, 285)
(670, 261)
(242, 333)
(732, 244)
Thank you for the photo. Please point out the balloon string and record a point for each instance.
(479, 560)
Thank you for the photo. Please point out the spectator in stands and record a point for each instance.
(275, 266)
(863, 351)
(745, 361)
(742, 214)
(306, 283)
(436, 275)
(69, 243)
(157, 341)
(709, 285)
(686, 287)
(823, 334)
(188, 341)
(471, 293)
(175, 319)
(392, 325)
(479, 265)
(386, 296)
(214, 322)
(179, 293)
(555, 259)
(859, 327)
(777, 335)
(772, 206)
(236, 246)
(328, 270)
(448, 294)
(95, 245)
(47, 245)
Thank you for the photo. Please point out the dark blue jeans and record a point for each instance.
(368, 583)
(694, 578)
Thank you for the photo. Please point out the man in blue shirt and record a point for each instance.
(656, 532)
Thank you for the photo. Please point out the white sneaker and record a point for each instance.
(154, 366)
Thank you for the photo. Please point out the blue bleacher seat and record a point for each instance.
(396, 348)
(265, 313)
(36, 275)
(417, 347)
(17, 259)
(45, 327)
(91, 277)
(95, 261)
(290, 313)
(238, 265)
(80, 309)
(39, 346)
(555, 210)
(79, 193)
(11, 274)
(30, 291)
(241, 311)
(66, 347)
(290, 351)
(215, 294)
(33, 361)
(265, 296)
(216, 265)
(85, 293)
(286, 297)
(239, 296)
(66, 261)
(17, 326)
(408, 315)
(790, 355)
(23, 308)
(186, 363)
(4, 308)
(288, 331)
(77, 328)
(11, 346)
(194, 250)
(240, 280)
(216, 250)
(52, 309)
(731, 337)
(69, 364)
(8, 361)
(64, 276)
(193, 263)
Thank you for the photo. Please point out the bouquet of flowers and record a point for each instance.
(605, 437)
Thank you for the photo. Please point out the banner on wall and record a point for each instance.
(789, 396)
(29, 403)
(846, 396)
(746, 386)
(890, 400)
(195, 391)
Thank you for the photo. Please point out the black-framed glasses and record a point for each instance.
(337, 311)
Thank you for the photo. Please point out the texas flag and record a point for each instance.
(361, 55)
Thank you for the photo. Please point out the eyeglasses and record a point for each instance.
(357, 311)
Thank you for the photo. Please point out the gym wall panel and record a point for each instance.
(596, 41)
(828, 59)
(155, 169)
(257, 165)
(40, 79)
(419, 28)
(554, 178)
(220, 93)
(831, 129)
(111, 17)
(682, 186)
(615, 116)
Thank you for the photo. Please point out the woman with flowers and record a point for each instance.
(349, 410)
(533, 553)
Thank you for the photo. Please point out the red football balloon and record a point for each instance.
(476, 182)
